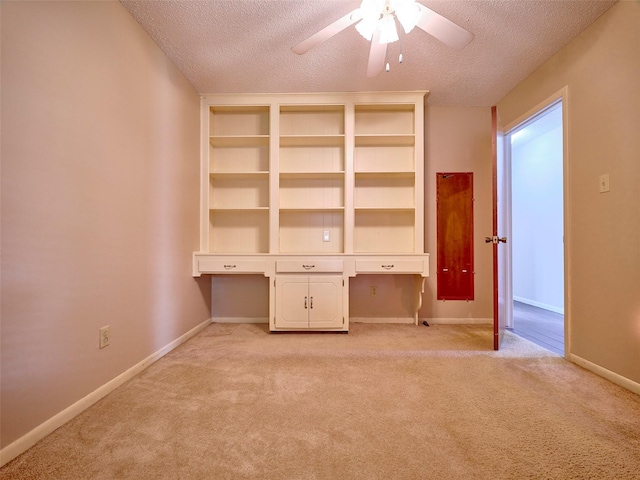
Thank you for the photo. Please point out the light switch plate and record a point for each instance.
(604, 183)
(325, 236)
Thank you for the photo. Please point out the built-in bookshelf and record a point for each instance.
(329, 183)
(311, 178)
(238, 194)
(385, 178)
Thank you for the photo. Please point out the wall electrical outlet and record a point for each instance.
(105, 336)
(374, 290)
(325, 236)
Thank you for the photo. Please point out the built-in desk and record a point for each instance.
(311, 292)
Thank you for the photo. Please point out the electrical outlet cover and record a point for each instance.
(105, 336)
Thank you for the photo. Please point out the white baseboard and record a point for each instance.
(434, 321)
(458, 321)
(544, 306)
(402, 320)
(399, 320)
(25, 442)
(608, 374)
(240, 320)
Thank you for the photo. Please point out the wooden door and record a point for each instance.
(499, 216)
(454, 193)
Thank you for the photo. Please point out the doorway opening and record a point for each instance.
(536, 155)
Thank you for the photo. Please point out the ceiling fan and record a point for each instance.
(376, 22)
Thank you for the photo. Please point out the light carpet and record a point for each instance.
(382, 402)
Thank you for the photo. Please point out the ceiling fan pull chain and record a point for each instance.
(387, 66)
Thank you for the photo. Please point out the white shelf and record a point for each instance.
(284, 169)
(263, 175)
(309, 175)
(238, 209)
(378, 140)
(320, 175)
(311, 209)
(239, 141)
(238, 167)
(311, 140)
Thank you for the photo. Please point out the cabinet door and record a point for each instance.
(325, 302)
(304, 302)
(292, 302)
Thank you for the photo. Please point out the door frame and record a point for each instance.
(530, 115)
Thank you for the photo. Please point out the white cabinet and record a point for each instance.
(308, 302)
(301, 177)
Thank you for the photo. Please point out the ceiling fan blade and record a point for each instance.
(443, 29)
(327, 32)
(377, 55)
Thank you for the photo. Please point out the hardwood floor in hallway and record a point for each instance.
(540, 326)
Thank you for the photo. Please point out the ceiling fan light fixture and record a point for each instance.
(370, 13)
(366, 27)
(388, 32)
(408, 13)
(375, 20)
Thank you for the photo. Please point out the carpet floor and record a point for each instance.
(382, 402)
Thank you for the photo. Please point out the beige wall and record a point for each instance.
(458, 139)
(100, 168)
(601, 69)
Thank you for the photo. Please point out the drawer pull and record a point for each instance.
(387, 267)
(445, 269)
(308, 267)
(229, 267)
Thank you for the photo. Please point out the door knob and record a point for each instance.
(495, 240)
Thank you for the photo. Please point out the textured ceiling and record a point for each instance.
(244, 46)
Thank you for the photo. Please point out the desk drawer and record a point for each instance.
(231, 266)
(389, 266)
(297, 266)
